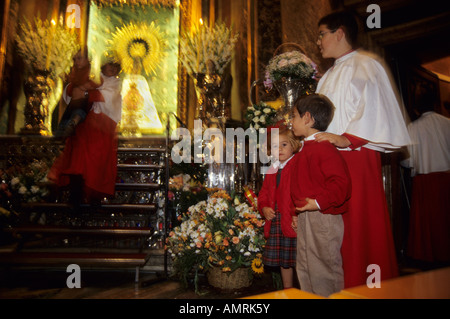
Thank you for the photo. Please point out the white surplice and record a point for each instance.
(430, 148)
(366, 105)
(111, 91)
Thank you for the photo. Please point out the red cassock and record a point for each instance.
(367, 236)
(95, 160)
(429, 232)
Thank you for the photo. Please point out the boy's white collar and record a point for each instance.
(312, 137)
(279, 165)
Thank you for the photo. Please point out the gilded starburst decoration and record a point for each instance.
(139, 47)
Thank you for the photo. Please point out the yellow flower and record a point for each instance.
(226, 269)
(257, 266)
(218, 237)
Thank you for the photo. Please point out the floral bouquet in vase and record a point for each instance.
(260, 115)
(293, 74)
(220, 234)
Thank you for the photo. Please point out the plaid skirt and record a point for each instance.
(280, 250)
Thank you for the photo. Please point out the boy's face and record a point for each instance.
(326, 41)
(283, 148)
(110, 69)
(298, 123)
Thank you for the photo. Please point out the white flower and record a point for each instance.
(257, 113)
(22, 190)
(262, 119)
(34, 189)
(267, 110)
(15, 181)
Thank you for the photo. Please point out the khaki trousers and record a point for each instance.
(319, 260)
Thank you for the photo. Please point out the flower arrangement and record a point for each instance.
(47, 46)
(207, 43)
(185, 191)
(219, 232)
(260, 115)
(292, 64)
(187, 185)
(27, 183)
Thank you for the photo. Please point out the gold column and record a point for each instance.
(4, 40)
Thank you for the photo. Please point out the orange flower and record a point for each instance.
(228, 257)
(235, 240)
(226, 269)
(225, 242)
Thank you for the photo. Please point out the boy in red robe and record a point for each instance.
(320, 189)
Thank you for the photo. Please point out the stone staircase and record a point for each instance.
(126, 231)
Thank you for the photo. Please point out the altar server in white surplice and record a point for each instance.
(429, 224)
(367, 121)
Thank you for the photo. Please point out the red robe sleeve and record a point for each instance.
(356, 142)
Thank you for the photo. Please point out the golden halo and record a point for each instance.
(139, 47)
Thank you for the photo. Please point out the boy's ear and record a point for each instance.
(340, 33)
(309, 120)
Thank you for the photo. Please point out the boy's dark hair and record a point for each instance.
(345, 20)
(319, 106)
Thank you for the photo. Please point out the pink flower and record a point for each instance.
(282, 63)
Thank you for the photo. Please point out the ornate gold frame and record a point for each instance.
(185, 23)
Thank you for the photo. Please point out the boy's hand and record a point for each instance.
(309, 206)
(268, 212)
(337, 140)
